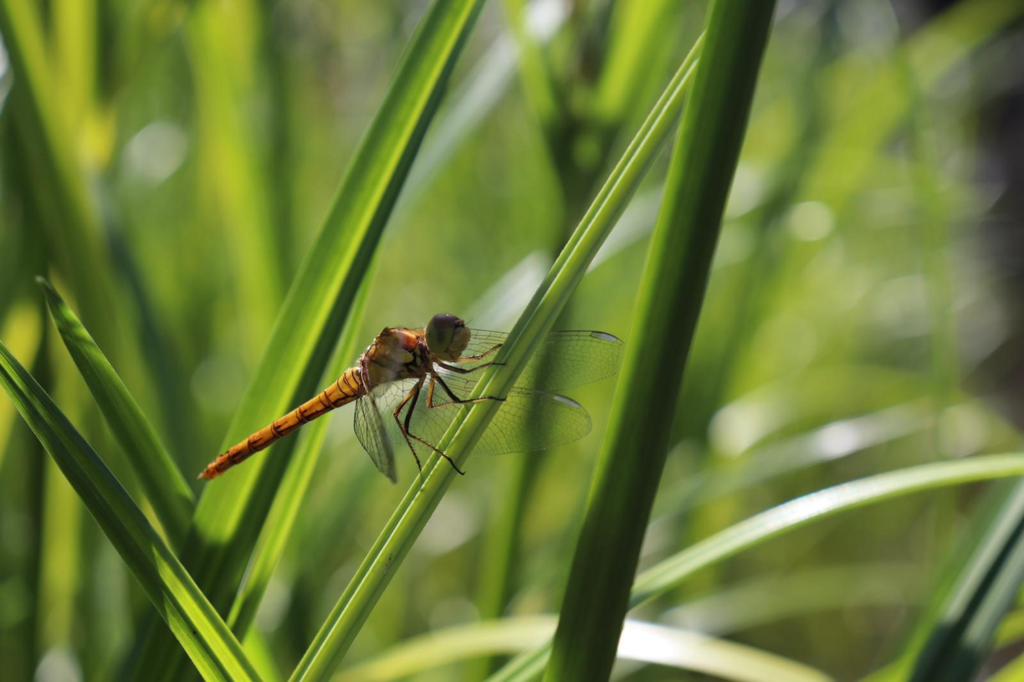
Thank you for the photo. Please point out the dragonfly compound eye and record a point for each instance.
(447, 335)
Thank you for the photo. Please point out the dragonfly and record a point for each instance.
(409, 385)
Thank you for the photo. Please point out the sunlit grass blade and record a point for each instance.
(398, 535)
(231, 510)
(668, 306)
(641, 643)
(674, 571)
(818, 447)
(164, 484)
(637, 35)
(201, 632)
(822, 504)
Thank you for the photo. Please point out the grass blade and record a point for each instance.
(231, 511)
(202, 633)
(669, 574)
(641, 642)
(818, 505)
(669, 303)
(395, 540)
(634, 43)
(164, 484)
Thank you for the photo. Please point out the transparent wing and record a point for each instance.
(527, 420)
(564, 359)
(372, 433)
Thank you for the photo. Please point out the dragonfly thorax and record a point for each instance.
(396, 353)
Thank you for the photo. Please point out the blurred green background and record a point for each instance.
(863, 313)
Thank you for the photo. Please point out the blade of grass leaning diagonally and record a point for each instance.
(395, 540)
(669, 574)
(277, 529)
(164, 484)
(671, 295)
(635, 36)
(201, 632)
(816, 506)
(232, 509)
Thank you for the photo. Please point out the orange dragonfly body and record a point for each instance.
(393, 371)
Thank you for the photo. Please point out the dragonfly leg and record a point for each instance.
(455, 400)
(472, 358)
(461, 370)
(430, 391)
(411, 395)
(450, 461)
(404, 427)
(415, 393)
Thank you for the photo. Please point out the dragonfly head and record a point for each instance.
(447, 336)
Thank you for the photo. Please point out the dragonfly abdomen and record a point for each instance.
(347, 388)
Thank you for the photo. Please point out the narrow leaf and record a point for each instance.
(202, 634)
(668, 306)
(164, 484)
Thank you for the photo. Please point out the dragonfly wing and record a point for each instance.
(527, 420)
(372, 432)
(563, 360)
